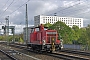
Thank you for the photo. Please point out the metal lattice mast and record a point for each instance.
(26, 25)
(7, 29)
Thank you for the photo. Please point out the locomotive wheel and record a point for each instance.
(50, 51)
(40, 52)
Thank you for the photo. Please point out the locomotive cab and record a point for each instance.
(50, 40)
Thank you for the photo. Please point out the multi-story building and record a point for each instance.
(70, 21)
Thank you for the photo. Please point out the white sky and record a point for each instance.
(15, 9)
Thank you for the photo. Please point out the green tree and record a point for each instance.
(63, 30)
(1, 37)
(88, 35)
(10, 38)
(47, 25)
(21, 35)
(76, 32)
(83, 37)
(21, 40)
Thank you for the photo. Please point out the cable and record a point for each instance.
(67, 7)
(82, 12)
(19, 7)
(78, 10)
(7, 7)
(4, 5)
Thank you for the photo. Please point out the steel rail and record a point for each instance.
(76, 52)
(68, 57)
(8, 55)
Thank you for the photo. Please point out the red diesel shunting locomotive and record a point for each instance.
(44, 39)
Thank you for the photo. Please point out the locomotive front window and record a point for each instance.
(51, 33)
(37, 29)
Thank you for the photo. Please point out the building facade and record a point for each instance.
(69, 21)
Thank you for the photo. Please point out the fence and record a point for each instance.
(76, 47)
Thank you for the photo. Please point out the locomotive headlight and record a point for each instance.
(44, 42)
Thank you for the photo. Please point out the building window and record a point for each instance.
(43, 21)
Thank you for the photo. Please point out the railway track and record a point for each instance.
(70, 55)
(67, 56)
(5, 56)
(15, 55)
(63, 54)
(76, 52)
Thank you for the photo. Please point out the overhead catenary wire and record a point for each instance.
(66, 8)
(19, 7)
(77, 10)
(7, 8)
(4, 5)
(83, 11)
(14, 10)
(55, 12)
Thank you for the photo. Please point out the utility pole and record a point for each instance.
(0, 31)
(7, 29)
(26, 25)
(13, 32)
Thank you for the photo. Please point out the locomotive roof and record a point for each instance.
(37, 27)
(32, 27)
